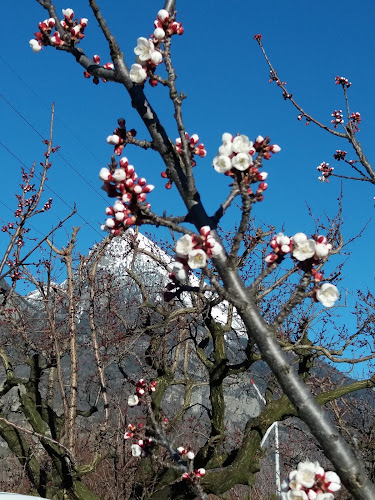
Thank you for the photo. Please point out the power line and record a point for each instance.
(59, 154)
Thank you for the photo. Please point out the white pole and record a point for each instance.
(277, 449)
(277, 460)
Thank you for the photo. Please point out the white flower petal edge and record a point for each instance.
(138, 74)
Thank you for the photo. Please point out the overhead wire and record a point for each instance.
(50, 189)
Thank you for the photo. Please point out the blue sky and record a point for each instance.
(221, 70)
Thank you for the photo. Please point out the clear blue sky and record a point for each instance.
(221, 70)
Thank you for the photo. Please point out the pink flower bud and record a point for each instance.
(200, 472)
(275, 148)
(163, 15)
(118, 206)
(205, 230)
(148, 188)
(137, 189)
(68, 14)
(83, 22)
(262, 176)
(270, 259)
(105, 174)
(141, 197)
(194, 139)
(185, 476)
(259, 139)
(109, 211)
(142, 181)
(110, 223)
(120, 216)
(119, 175)
(126, 198)
(129, 169)
(129, 183)
(159, 33)
(113, 139)
(190, 455)
(74, 31)
(130, 220)
(321, 239)
(96, 59)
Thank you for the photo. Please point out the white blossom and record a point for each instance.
(138, 74)
(133, 400)
(35, 46)
(242, 144)
(197, 259)
(327, 294)
(222, 163)
(144, 49)
(136, 450)
(306, 474)
(242, 161)
(184, 245)
(303, 248)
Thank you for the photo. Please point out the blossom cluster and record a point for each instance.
(340, 155)
(310, 482)
(129, 189)
(300, 246)
(325, 170)
(141, 388)
(236, 155)
(355, 120)
(308, 250)
(194, 148)
(307, 118)
(337, 118)
(192, 252)
(148, 51)
(194, 475)
(142, 445)
(120, 136)
(73, 28)
(340, 80)
(96, 60)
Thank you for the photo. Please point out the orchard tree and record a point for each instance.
(269, 299)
